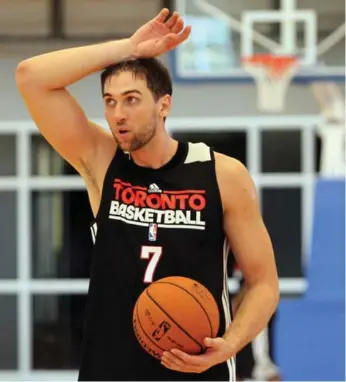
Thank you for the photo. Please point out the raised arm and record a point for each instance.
(42, 82)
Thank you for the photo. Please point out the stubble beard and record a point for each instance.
(140, 139)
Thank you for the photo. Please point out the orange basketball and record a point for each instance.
(175, 312)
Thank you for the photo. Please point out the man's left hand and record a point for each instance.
(218, 350)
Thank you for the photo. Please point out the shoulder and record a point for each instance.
(234, 180)
(228, 168)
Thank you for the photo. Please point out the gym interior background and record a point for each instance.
(45, 241)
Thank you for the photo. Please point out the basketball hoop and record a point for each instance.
(272, 74)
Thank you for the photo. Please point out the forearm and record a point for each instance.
(59, 69)
(257, 306)
(238, 298)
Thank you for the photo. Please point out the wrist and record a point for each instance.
(232, 342)
(131, 49)
(121, 50)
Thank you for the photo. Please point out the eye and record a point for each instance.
(132, 100)
(109, 102)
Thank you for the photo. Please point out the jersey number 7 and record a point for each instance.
(152, 254)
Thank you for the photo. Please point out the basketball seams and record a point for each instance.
(139, 322)
(168, 315)
(206, 313)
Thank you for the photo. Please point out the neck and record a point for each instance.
(156, 153)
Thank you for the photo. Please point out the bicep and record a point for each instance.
(251, 245)
(64, 125)
(247, 234)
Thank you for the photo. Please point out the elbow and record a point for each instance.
(270, 291)
(24, 75)
(271, 296)
(276, 297)
(275, 294)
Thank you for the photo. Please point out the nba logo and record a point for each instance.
(152, 231)
(161, 330)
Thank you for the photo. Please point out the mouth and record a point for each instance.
(123, 132)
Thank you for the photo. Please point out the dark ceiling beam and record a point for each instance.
(56, 19)
(168, 4)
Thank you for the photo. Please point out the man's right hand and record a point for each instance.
(159, 36)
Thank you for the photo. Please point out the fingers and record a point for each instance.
(175, 23)
(194, 360)
(162, 15)
(172, 40)
(173, 362)
(184, 35)
(172, 20)
(170, 360)
(178, 26)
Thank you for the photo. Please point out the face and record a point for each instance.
(131, 110)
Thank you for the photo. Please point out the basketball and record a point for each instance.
(175, 312)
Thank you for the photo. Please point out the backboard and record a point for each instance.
(224, 31)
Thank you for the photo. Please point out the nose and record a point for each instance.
(119, 115)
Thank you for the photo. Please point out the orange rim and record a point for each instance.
(275, 64)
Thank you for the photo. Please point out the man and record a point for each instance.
(137, 176)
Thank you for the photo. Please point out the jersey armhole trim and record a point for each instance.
(93, 229)
(115, 158)
(212, 156)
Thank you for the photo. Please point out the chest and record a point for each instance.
(155, 226)
(161, 203)
(175, 209)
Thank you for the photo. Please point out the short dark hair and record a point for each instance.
(157, 76)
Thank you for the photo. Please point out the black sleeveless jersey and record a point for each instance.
(152, 223)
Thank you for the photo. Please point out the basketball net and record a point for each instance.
(272, 74)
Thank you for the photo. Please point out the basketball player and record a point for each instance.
(161, 207)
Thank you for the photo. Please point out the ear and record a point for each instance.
(165, 105)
